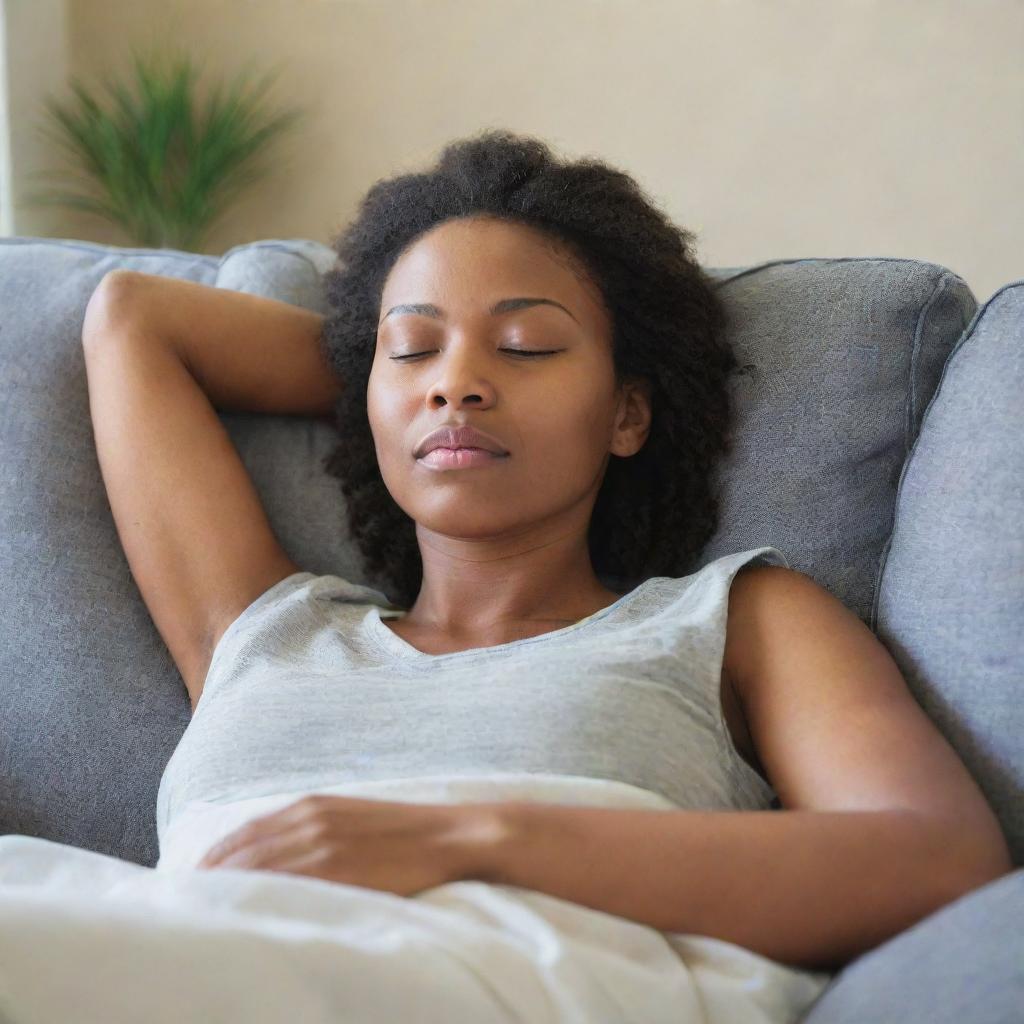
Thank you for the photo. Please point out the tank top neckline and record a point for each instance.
(396, 645)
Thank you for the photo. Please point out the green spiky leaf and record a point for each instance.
(154, 157)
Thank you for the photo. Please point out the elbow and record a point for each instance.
(109, 306)
(989, 869)
(979, 864)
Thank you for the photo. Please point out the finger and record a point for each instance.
(274, 823)
(261, 851)
(253, 831)
(239, 856)
(225, 848)
(310, 864)
(235, 843)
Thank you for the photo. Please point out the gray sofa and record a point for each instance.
(880, 446)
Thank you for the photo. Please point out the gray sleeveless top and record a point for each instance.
(308, 688)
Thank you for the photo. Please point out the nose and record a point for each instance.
(460, 379)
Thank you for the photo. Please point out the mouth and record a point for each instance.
(459, 458)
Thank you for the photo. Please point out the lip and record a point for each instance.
(458, 458)
(457, 436)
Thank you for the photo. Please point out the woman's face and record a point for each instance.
(558, 416)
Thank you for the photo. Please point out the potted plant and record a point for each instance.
(158, 160)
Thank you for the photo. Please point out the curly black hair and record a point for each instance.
(655, 510)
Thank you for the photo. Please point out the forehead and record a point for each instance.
(475, 261)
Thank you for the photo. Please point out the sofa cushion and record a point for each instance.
(964, 963)
(950, 603)
(91, 704)
(841, 355)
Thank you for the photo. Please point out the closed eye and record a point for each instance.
(514, 351)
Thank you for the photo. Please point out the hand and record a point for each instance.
(391, 846)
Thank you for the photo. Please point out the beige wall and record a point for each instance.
(781, 129)
(33, 62)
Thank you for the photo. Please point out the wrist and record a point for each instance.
(480, 839)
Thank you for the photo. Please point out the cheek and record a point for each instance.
(587, 421)
(373, 395)
(381, 407)
(390, 419)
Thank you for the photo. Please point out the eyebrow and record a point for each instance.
(504, 306)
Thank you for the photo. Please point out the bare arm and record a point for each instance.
(813, 889)
(882, 822)
(248, 353)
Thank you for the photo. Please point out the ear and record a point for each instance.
(633, 417)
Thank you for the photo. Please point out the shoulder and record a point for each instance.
(836, 726)
(767, 599)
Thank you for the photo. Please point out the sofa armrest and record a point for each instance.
(963, 963)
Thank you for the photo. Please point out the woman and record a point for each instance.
(531, 388)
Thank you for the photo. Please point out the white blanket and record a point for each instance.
(89, 938)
